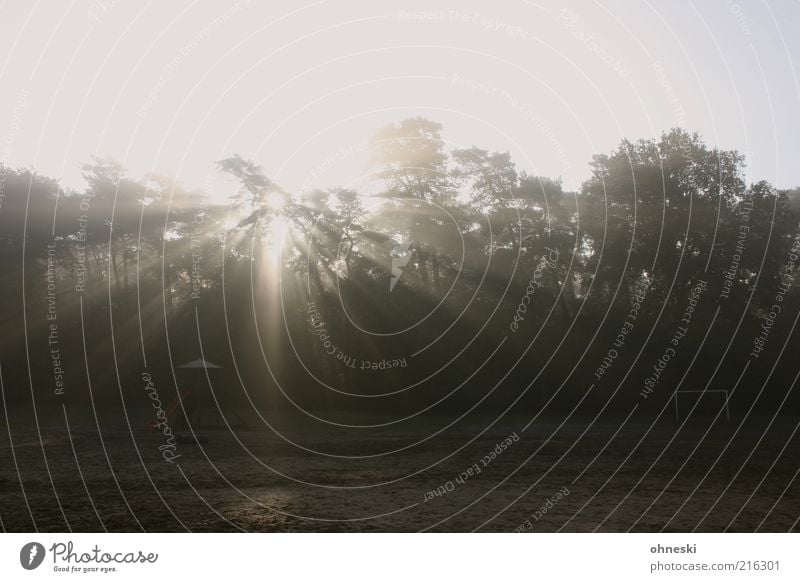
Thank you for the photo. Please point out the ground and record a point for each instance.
(298, 474)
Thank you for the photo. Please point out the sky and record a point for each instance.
(170, 87)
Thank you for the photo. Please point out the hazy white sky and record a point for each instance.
(299, 87)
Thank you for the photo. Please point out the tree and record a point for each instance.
(411, 161)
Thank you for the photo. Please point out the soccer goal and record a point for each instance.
(690, 399)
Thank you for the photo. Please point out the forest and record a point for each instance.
(455, 282)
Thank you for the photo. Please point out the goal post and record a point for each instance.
(699, 394)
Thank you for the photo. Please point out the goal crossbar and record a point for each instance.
(715, 391)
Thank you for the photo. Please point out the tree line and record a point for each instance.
(458, 282)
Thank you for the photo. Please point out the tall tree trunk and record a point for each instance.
(423, 268)
(514, 241)
(125, 268)
(566, 311)
(437, 283)
(113, 258)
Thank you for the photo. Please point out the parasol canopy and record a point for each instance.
(199, 363)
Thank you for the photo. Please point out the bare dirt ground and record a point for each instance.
(297, 476)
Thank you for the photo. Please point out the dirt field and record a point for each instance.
(296, 476)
